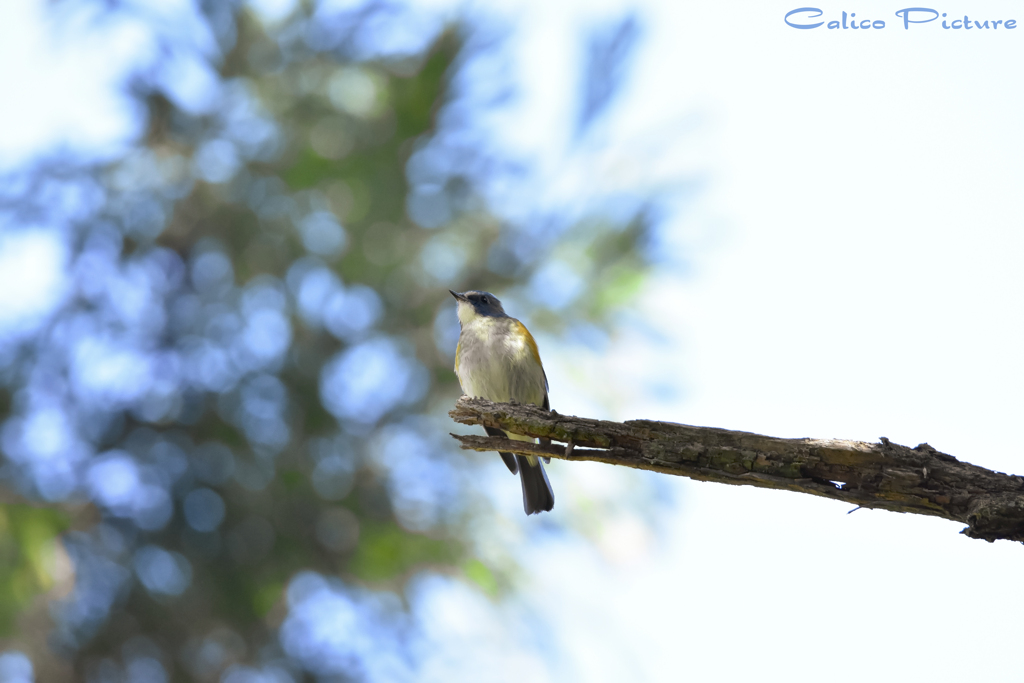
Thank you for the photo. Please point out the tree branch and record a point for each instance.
(882, 475)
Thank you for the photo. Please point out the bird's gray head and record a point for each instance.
(474, 304)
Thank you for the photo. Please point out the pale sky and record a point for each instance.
(854, 273)
(857, 276)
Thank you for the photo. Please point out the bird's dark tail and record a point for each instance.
(537, 493)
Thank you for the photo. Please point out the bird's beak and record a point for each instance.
(460, 297)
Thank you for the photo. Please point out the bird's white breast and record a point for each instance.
(496, 364)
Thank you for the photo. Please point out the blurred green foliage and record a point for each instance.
(386, 552)
(29, 557)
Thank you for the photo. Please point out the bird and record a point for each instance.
(497, 359)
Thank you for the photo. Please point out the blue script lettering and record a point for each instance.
(854, 23)
(905, 15)
(802, 16)
(966, 23)
(804, 9)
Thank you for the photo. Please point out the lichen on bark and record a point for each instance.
(882, 475)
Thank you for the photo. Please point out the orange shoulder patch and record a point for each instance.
(528, 338)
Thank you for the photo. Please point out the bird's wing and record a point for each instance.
(530, 343)
(546, 406)
(536, 354)
(508, 458)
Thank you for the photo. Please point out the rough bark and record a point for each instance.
(882, 475)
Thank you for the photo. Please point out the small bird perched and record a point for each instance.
(497, 359)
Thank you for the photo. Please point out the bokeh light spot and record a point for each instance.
(162, 572)
(355, 91)
(216, 161)
(15, 667)
(352, 311)
(204, 509)
(366, 381)
(333, 477)
(322, 234)
(32, 280)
